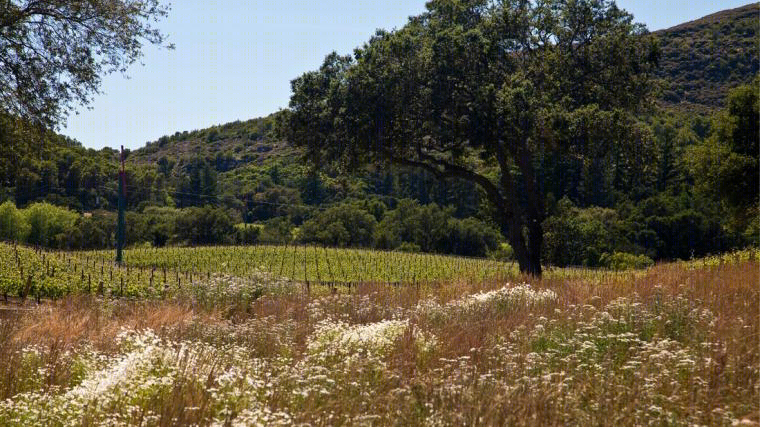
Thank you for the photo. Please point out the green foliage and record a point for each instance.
(347, 224)
(577, 236)
(726, 167)
(662, 227)
(247, 234)
(430, 228)
(96, 232)
(620, 261)
(197, 185)
(667, 184)
(503, 253)
(62, 49)
(408, 247)
(277, 230)
(425, 226)
(471, 77)
(13, 225)
(684, 234)
(471, 237)
(49, 225)
(702, 60)
(229, 145)
(161, 224)
(205, 226)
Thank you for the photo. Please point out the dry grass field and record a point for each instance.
(677, 344)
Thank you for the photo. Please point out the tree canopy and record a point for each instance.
(726, 166)
(53, 53)
(481, 91)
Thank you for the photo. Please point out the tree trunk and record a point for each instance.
(535, 243)
(528, 254)
(529, 261)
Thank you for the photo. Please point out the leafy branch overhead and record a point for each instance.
(53, 53)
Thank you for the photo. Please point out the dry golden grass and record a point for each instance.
(77, 319)
(416, 387)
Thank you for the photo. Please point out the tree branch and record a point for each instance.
(455, 171)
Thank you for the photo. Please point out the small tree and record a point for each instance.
(347, 224)
(205, 226)
(481, 90)
(49, 225)
(13, 226)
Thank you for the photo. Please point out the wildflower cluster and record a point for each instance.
(504, 300)
(131, 387)
(223, 289)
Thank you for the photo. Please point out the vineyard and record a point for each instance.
(315, 264)
(150, 273)
(163, 272)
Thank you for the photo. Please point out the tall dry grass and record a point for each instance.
(490, 365)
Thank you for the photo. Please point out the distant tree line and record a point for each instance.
(408, 227)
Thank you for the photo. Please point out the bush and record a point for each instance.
(625, 261)
(95, 232)
(577, 236)
(205, 226)
(431, 228)
(408, 247)
(247, 234)
(471, 237)
(160, 224)
(277, 231)
(343, 225)
(425, 226)
(503, 253)
(13, 226)
(49, 225)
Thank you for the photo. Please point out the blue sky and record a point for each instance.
(234, 60)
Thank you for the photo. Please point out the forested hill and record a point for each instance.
(703, 59)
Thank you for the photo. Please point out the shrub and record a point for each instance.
(12, 223)
(471, 237)
(160, 224)
(503, 253)
(343, 225)
(577, 236)
(408, 247)
(247, 234)
(95, 232)
(205, 226)
(277, 230)
(625, 261)
(425, 226)
(49, 225)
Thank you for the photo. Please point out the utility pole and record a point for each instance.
(122, 203)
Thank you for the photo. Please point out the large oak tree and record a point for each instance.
(479, 90)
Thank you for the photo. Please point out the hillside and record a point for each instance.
(703, 59)
(229, 145)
